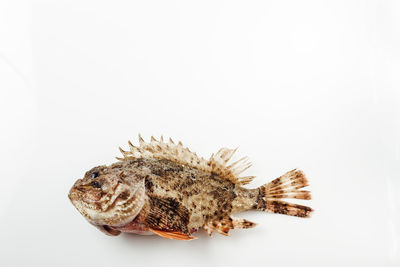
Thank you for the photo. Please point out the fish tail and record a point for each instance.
(286, 186)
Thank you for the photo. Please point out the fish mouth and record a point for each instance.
(85, 194)
(88, 195)
(121, 209)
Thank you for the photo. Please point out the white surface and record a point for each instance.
(308, 84)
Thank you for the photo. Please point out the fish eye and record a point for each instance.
(94, 175)
(95, 184)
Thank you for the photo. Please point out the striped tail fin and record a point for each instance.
(286, 186)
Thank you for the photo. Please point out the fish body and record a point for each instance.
(163, 188)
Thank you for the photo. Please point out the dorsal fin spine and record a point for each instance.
(182, 155)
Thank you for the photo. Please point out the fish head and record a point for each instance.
(109, 196)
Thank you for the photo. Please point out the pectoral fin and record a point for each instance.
(172, 235)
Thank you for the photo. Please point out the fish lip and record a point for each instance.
(73, 190)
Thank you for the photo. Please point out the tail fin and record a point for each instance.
(285, 186)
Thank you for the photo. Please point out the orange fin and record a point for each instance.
(172, 235)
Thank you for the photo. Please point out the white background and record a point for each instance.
(307, 84)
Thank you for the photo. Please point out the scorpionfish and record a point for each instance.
(163, 188)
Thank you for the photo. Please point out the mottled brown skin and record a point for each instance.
(182, 198)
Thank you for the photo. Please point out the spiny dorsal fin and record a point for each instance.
(217, 163)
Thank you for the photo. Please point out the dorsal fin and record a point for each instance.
(217, 164)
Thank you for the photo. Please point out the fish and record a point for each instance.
(161, 187)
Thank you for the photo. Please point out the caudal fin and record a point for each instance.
(286, 186)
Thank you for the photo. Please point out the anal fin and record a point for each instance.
(225, 225)
(172, 235)
(242, 223)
